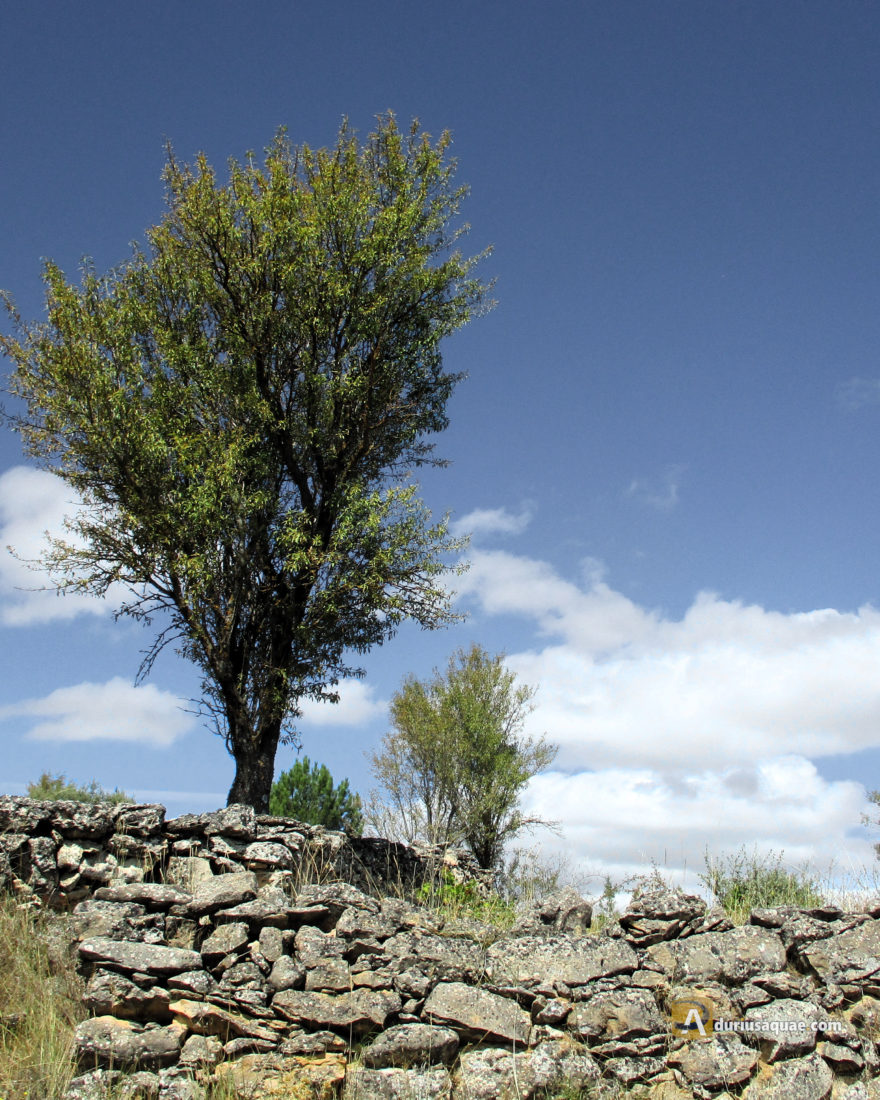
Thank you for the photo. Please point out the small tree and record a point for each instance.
(306, 792)
(240, 406)
(455, 763)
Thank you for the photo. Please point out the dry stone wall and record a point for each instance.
(208, 960)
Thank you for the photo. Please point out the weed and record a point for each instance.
(40, 1004)
(747, 880)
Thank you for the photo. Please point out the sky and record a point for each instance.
(667, 446)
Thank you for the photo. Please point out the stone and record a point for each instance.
(209, 1019)
(227, 939)
(152, 895)
(852, 956)
(784, 1028)
(716, 1062)
(336, 897)
(120, 1043)
(142, 820)
(412, 1045)
(201, 1050)
(112, 994)
(187, 872)
(796, 1079)
(197, 983)
(620, 1014)
(287, 973)
(477, 1013)
(362, 1010)
(398, 1084)
(264, 855)
(533, 961)
(115, 920)
(729, 957)
(221, 892)
(150, 958)
(332, 976)
(553, 1065)
(271, 943)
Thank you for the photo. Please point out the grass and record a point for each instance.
(746, 880)
(40, 1004)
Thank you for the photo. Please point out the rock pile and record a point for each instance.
(220, 974)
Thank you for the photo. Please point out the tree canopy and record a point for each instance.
(306, 792)
(239, 407)
(455, 763)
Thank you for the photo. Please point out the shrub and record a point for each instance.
(56, 788)
(746, 881)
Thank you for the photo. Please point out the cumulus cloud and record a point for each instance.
(32, 503)
(675, 733)
(356, 705)
(660, 493)
(112, 711)
(483, 522)
(856, 392)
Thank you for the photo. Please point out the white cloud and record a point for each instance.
(112, 711)
(660, 493)
(356, 705)
(32, 503)
(856, 392)
(675, 733)
(484, 522)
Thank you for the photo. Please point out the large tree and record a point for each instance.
(455, 763)
(239, 407)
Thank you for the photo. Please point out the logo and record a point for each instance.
(691, 1017)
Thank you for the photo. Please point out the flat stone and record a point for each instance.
(784, 1028)
(553, 1065)
(121, 1043)
(209, 1019)
(529, 961)
(444, 958)
(222, 891)
(261, 855)
(851, 956)
(398, 1084)
(731, 957)
(716, 1062)
(141, 820)
(153, 895)
(112, 994)
(620, 1014)
(225, 940)
(146, 957)
(412, 1045)
(361, 1010)
(477, 1013)
(796, 1079)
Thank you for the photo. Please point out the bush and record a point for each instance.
(747, 881)
(57, 788)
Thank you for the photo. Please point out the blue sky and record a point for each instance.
(667, 447)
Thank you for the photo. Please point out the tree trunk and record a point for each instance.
(254, 770)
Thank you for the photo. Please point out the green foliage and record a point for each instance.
(55, 788)
(456, 899)
(455, 763)
(239, 407)
(745, 881)
(306, 792)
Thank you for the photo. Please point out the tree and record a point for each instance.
(455, 762)
(240, 406)
(306, 792)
